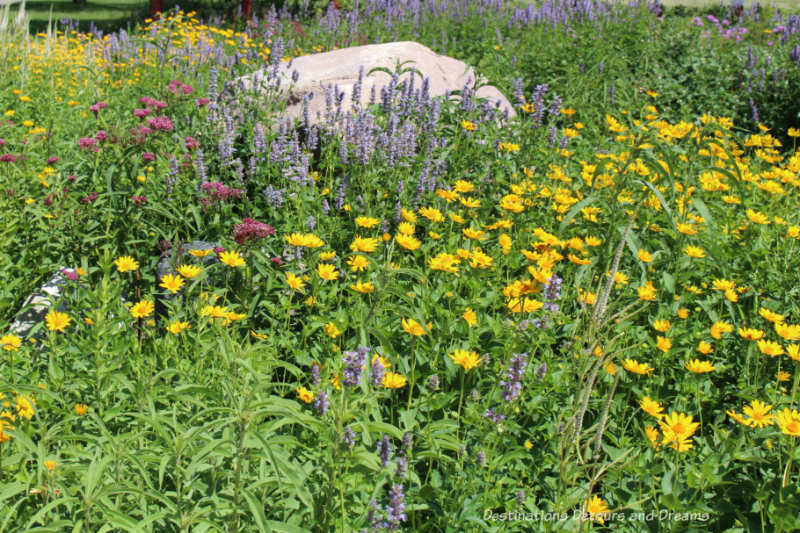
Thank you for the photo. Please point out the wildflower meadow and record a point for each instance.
(422, 314)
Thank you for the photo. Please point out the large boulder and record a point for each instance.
(319, 78)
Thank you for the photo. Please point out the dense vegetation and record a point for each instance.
(420, 315)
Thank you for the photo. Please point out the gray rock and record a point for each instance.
(38, 304)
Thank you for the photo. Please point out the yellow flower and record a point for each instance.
(783, 376)
(331, 330)
(750, 334)
(201, 253)
(528, 445)
(631, 365)
(467, 125)
(57, 321)
(651, 407)
(364, 244)
(172, 283)
(758, 413)
(596, 509)
(327, 271)
(719, 328)
(471, 233)
(412, 327)
(661, 325)
(465, 359)
(81, 408)
(189, 271)
(704, 348)
(393, 380)
(505, 243)
(524, 305)
(463, 186)
(756, 217)
(737, 417)
(24, 407)
(644, 256)
(444, 262)
(408, 215)
(771, 348)
(10, 343)
(259, 336)
(50, 465)
(406, 228)
(126, 263)
(771, 316)
(357, 263)
(366, 222)
(695, 251)
(470, 202)
(363, 288)
(652, 435)
(176, 328)
(304, 394)
(788, 332)
(431, 213)
(232, 258)
(789, 422)
(647, 292)
(699, 367)
(142, 309)
(407, 241)
(295, 282)
(683, 313)
(793, 351)
(214, 311)
(678, 429)
(470, 316)
(663, 343)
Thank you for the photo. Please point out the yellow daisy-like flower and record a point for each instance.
(467, 125)
(327, 272)
(592, 241)
(596, 509)
(408, 215)
(695, 251)
(651, 407)
(357, 263)
(214, 311)
(788, 332)
(463, 186)
(647, 292)
(50, 465)
(678, 429)
(81, 409)
(653, 436)
(295, 282)
(631, 365)
(758, 414)
(331, 330)
(295, 239)
(771, 348)
(699, 367)
(644, 256)
(444, 262)
(757, 218)
(793, 351)
(393, 380)
(466, 359)
(363, 288)
(24, 407)
(142, 309)
(431, 213)
(201, 252)
(126, 263)
(468, 201)
(57, 321)
(750, 334)
(232, 259)
(470, 316)
(366, 222)
(304, 394)
(172, 283)
(663, 344)
(364, 244)
(683, 313)
(10, 343)
(408, 242)
(719, 328)
(327, 256)
(771, 316)
(176, 328)
(737, 417)
(412, 327)
(190, 271)
(789, 422)
(661, 325)
(406, 228)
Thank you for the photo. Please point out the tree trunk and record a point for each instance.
(247, 8)
(156, 7)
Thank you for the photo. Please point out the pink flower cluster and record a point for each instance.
(88, 143)
(8, 158)
(160, 123)
(191, 143)
(97, 107)
(176, 87)
(251, 230)
(139, 200)
(726, 32)
(217, 192)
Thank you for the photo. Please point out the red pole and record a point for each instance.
(156, 7)
(247, 8)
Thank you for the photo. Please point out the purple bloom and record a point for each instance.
(354, 364)
(101, 136)
(395, 514)
(512, 384)
(433, 382)
(349, 437)
(402, 467)
(8, 158)
(315, 370)
(86, 142)
(377, 372)
(494, 417)
(321, 403)
(481, 459)
(385, 449)
(89, 199)
(541, 371)
(52, 160)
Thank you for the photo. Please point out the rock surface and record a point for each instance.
(319, 78)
